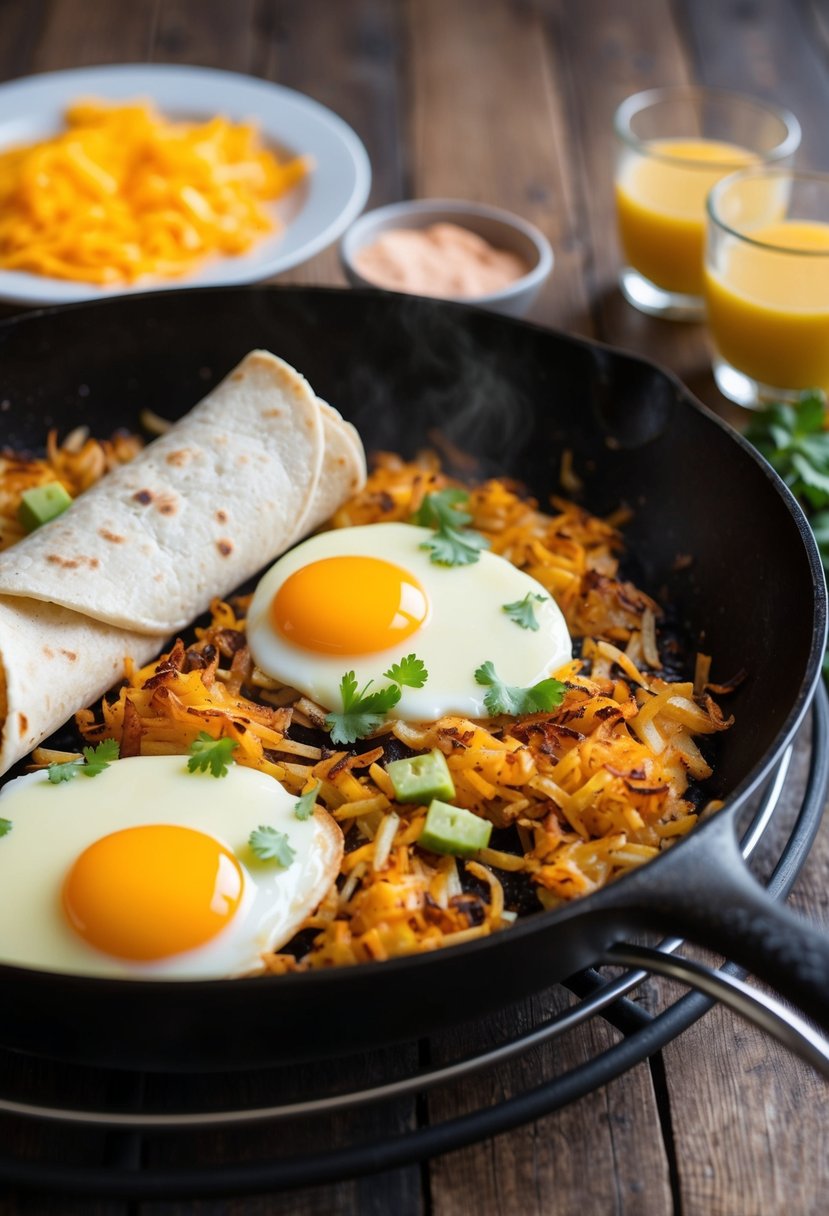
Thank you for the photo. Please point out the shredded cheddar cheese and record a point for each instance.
(123, 193)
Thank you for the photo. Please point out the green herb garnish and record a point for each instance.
(410, 671)
(794, 442)
(5, 827)
(269, 845)
(453, 543)
(306, 803)
(213, 754)
(507, 699)
(95, 760)
(523, 612)
(364, 711)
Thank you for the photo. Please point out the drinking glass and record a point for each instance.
(767, 284)
(674, 144)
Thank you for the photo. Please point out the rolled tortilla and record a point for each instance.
(258, 464)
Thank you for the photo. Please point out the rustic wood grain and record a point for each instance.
(210, 33)
(601, 1154)
(348, 57)
(511, 102)
(487, 123)
(75, 35)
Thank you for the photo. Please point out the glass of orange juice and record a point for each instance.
(767, 284)
(674, 144)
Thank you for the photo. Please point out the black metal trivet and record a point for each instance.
(127, 1172)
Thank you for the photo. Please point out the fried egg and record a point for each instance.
(362, 598)
(145, 871)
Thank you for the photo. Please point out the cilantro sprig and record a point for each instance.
(304, 808)
(364, 711)
(508, 699)
(215, 755)
(5, 827)
(523, 612)
(95, 760)
(453, 544)
(794, 441)
(410, 671)
(267, 844)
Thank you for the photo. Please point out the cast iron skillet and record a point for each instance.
(410, 372)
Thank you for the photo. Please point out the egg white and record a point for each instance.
(466, 626)
(53, 823)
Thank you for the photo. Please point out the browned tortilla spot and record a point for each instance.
(221, 516)
(49, 652)
(179, 457)
(69, 654)
(272, 413)
(24, 723)
(225, 547)
(111, 536)
(168, 505)
(143, 496)
(67, 563)
(238, 376)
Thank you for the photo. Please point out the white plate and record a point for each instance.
(315, 213)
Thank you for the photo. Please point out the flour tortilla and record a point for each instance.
(258, 464)
(201, 509)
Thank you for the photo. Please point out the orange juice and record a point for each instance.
(768, 310)
(660, 204)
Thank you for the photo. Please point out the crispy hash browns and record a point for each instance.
(577, 796)
(77, 463)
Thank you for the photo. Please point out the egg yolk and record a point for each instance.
(151, 892)
(349, 606)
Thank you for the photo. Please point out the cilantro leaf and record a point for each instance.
(451, 547)
(507, 699)
(795, 441)
(213, 754)
(453, 544)
(5, 827)
(100, 757)
(268, 844)
(362, 712)
(440, 509)
(306, 803)
(522, 611)
(410, 671)
(95, 760)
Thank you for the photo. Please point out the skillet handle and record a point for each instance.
(706, 894)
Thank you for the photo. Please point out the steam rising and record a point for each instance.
(452, 391)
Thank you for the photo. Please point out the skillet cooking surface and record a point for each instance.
(410, 372)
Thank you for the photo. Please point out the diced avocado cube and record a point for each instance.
(42, 503)
(421, 778)
(451, 829)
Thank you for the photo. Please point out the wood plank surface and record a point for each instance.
(509, 102)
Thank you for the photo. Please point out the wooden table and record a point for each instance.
(510, 102)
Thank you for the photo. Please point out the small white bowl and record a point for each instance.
(500, 228)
